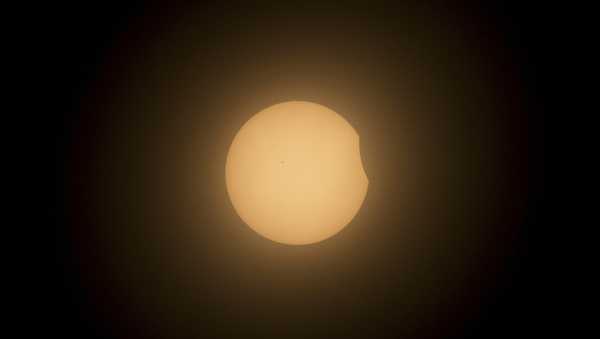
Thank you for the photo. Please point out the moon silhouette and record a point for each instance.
(294, 173)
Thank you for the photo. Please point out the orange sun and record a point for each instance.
(294, 173)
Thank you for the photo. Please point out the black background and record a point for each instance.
(445, 97)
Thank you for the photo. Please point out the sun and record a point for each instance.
(294, 173)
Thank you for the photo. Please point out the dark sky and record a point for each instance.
(447, 101)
